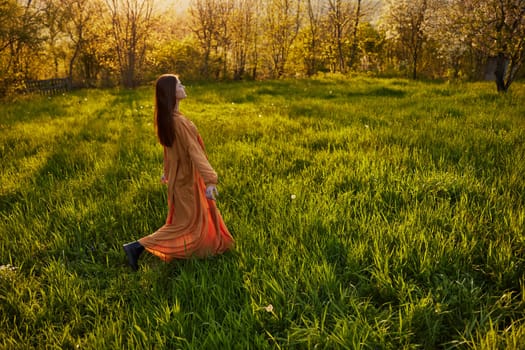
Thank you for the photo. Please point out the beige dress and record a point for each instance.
(194, 226)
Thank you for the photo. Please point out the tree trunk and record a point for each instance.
(414, 65)
(72, 62)
(501, 65)
(353, 53)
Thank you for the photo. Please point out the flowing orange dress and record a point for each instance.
(194, 227)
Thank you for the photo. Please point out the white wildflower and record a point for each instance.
(7, 271)
(268, 308)
(7, 267)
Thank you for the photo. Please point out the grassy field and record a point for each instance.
(367, 213)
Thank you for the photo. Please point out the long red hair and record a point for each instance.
(165, 102)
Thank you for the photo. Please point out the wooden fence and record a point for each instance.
(48, 86)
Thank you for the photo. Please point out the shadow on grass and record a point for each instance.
(386, 92)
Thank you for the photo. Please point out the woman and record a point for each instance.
(194, 226)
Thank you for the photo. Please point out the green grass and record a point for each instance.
(368, 214)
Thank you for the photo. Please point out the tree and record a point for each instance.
(497, 28)
(94, 64)
(21, 44)
(406, 22)
(312, 35)
(21, 33)
(226, 8)
(11, 31)
(281, 22)
(73, 32)
(178, 56)
(361, 19)
(53, 22)
(370, 47)
(131, 21)
(206, 25)
(80, 17)
(337, 22)
(449, 34)
(357, 18)
(243, 35)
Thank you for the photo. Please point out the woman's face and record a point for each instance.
(180, 93)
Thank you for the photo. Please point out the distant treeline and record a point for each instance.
(129, 42)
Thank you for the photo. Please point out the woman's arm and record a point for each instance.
(198, 156)
(200, 160)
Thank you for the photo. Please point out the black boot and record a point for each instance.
(133, 251)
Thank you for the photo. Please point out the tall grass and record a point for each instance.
(368, 214)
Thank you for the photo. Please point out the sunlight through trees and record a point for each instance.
(129, 42)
